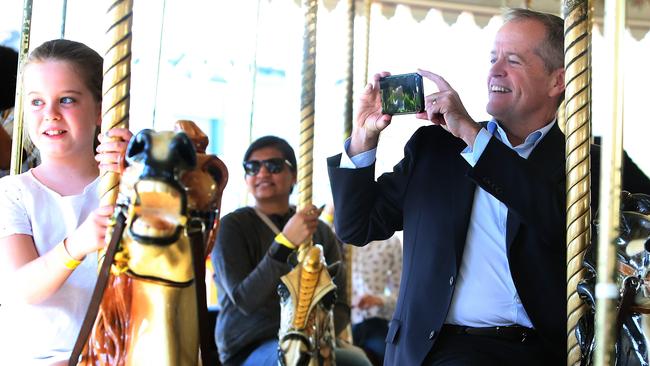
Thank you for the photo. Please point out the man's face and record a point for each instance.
(520, 89)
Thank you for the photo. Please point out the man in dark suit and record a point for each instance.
(482, 206)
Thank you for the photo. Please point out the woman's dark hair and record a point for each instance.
(277, 143)
(8, 72)
(87, 63)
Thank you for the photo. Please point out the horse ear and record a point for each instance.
(138, 144)
(184, 148)
(333, 269)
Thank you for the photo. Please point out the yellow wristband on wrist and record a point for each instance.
(281, 239)
(67, 260)
(328, 218)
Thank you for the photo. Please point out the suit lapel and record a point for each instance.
(547, 156)
(462, 201)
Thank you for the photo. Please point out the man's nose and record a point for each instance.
(497, 68)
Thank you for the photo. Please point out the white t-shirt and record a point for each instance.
(44, 333)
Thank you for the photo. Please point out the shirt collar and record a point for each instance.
(531, 140)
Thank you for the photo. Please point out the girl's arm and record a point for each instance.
(30, 278)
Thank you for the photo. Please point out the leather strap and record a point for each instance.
(267, 221)
(195, 233)
(98, 292)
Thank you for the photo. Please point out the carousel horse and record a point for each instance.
(149, 307)
(307, 297)
(633, 280)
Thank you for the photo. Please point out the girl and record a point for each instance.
(51, 227)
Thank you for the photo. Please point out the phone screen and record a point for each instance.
(402, 94)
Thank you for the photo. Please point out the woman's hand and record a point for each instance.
(302, 225)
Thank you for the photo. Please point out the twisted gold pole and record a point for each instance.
(116, 87)
(367, 9)
(610, 195)
(577, 59)
(18, 132)
(349, 72)
(305, 158)
(347, 130)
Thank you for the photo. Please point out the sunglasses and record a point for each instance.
(274, 166)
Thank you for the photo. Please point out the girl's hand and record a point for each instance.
(112, 149)
(90, 236)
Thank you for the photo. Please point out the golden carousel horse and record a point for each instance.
(167, 216)
(307, 297)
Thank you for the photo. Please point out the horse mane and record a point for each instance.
(110, 333)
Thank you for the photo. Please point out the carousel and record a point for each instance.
(153, 301)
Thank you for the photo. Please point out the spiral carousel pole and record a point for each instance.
(577, 116)
(610, 194)
(367, 10)
(306, 148)
(17, 138)
(347, 131)
(349, 71)
(116, 86)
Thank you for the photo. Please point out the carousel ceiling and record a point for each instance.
(637, 12)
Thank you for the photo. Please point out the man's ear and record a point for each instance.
(556, 86)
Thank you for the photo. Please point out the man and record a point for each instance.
(253, 252)
(482, 207)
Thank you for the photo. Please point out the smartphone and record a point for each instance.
(402, 94)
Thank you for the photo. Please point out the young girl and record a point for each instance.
(51, 226)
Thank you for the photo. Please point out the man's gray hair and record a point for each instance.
(551, 50)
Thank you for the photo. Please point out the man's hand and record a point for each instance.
(445, 108)
(370, 120)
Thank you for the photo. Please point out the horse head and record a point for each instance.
(157, 207)
(633, 282)
(307, 297)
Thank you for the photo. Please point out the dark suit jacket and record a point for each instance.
(429, 195)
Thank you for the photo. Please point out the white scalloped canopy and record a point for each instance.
(638, 11)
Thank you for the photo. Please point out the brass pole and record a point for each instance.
(347, 131)
(367, 11)
(577, 119)
(610, 194)
(116, 87)
(349, 73)
(17, 133)
(305, 151)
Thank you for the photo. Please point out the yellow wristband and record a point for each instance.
(69, 262)
(281, 239)
(328, 218)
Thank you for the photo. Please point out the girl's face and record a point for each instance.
(60, 110)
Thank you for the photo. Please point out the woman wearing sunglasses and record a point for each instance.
(252, 252)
